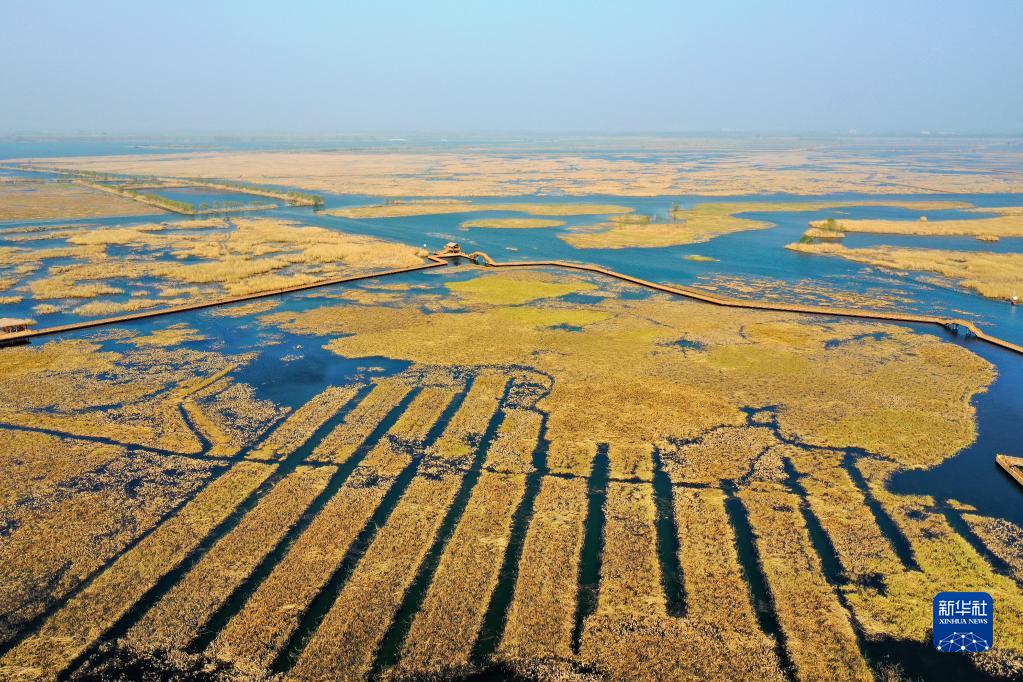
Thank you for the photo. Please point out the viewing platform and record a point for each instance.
(13, 328)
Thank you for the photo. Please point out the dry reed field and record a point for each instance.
(991, 222)
(62, 201)
(515, 496)
(628, 166)
(994, 275)
(103, 270)
(704, 222)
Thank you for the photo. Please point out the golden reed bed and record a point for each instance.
(473, 469)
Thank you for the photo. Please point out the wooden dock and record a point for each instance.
(1012, 465)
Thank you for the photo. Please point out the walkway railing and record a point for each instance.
(442, 258)
(480, 257)
(10, 339)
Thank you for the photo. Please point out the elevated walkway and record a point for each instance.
(454, 252)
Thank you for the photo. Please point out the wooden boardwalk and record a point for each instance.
(443, 258)
(1012, 465)
(434, 262)
(482, 258)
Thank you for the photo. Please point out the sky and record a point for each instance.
(253, 67)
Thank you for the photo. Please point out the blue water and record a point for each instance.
(13, 174)
(758, 253)
(972, 476)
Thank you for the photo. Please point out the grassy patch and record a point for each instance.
(703, 222)
(442, 634)
(510, 290)
(697, 258)
(173, 335)
(68, 633)
(542, 614)
(818, 632)
(512, 223)
(1008, 224)
(376, 588)
(59, 200)
(179, 615)
(296, 429)
(341, 443)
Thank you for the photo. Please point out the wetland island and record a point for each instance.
(507, 407)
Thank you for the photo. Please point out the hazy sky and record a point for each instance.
(632, 65)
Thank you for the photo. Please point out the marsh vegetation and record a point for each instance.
(515, 493)
(110, 270)
(1005, 223)
(61, 200)
(637, 166)
(514, 472)
(994, 275)
(705, 221)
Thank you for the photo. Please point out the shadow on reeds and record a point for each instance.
(822, 545)
(889, 529)
(502, 671)
(34, 624)
(205, 445)
(233, 604)
(496, 616)
(326, 597)
(592, 553)
(920, 661)
(117, 663)
(886, 657)
(7, 426)
(900, 544)
(167, 582)
(997, 563)
(667, 541)
(390, 646)
(756, 581)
